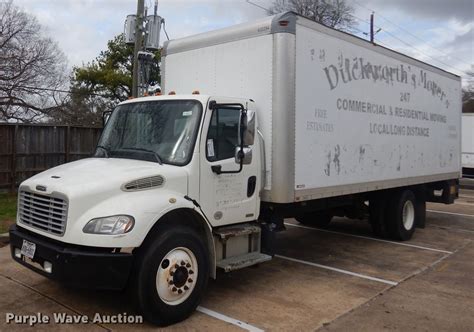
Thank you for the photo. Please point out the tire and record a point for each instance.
(315, 219)
(402, 215)
(172, 273)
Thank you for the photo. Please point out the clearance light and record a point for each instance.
(130, 98)
(145, 94)
(284, 23)
(172, 93)
(157, 93)
(196, 92)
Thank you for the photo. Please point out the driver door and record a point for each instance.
(227, 198)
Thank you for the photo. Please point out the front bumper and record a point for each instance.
(77, 266)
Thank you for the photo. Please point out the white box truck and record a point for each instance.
(292, 119)
(468, 145)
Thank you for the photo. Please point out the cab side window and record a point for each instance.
(222, 137)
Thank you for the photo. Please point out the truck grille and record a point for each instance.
(43, 212)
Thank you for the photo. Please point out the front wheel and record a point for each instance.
(172, 275)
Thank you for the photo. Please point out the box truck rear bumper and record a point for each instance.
(77, 266)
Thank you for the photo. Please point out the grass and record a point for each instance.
(7, 211)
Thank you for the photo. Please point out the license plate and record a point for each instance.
(28, 249)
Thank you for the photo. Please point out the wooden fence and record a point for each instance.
(29, 149)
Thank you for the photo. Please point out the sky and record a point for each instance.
(440, 32)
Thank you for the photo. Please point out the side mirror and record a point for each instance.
(248, 128)
(244, 154)
(105, 117)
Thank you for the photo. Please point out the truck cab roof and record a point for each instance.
(201, 98)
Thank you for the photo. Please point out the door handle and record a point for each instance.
(251, 185)
(216, 169)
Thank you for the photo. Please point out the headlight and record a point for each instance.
(113, 225)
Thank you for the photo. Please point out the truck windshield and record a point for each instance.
(158, 131)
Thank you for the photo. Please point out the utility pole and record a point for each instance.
(372, 34)
(138, 45)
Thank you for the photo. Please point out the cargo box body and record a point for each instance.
(468, 142)
(338, 114)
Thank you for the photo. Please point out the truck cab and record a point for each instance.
(154, 206)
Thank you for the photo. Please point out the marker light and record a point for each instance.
(172, 93)
(196, 92)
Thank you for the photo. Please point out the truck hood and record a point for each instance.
(96, 176)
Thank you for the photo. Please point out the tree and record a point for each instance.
(468, 94)
(99, 85)
(80, 108)
(31, 67)
(110, 74)
(332, 13)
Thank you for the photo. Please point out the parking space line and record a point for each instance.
(452, 213)
(371, 238)
(354, 274)
(227, 319)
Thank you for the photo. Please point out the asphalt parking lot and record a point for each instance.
(337, 279)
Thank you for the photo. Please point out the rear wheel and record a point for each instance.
(172, 275)
(320, 219)
(401, 215)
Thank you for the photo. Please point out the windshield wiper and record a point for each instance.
(105, 150)
(157, 156)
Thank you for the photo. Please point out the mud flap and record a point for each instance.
(377, 215)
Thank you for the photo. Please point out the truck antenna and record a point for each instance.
(257, 5)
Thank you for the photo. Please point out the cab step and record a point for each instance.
(239, 262)
(238, 246)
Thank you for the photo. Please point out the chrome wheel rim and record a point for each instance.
(176, 276)
(408, 215)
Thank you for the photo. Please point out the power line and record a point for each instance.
(52, 90)
(257, 5)
(418, 50)
(408, 44)
(358, 18)
(409, 32)
(164, 29)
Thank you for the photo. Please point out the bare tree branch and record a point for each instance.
(27, 59)
(332, 13)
